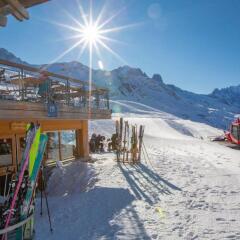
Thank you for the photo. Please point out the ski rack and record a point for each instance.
(20, 225)
(128, 143)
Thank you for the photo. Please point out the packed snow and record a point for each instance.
(186, 187)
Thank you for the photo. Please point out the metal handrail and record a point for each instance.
(15, 226)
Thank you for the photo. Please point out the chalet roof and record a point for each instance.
(17, 8)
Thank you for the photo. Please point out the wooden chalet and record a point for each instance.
(61, 104)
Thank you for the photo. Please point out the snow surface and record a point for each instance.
(185, 188)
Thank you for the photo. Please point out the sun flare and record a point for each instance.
(91, 33)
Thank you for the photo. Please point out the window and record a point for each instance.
(52, 150)
(60, 146)
(6, 157)
(236, 132)
(68, 144)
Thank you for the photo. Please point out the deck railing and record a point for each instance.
(24, 83)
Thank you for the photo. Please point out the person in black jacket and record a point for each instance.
(92, 143)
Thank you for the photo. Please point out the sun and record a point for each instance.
(91, 34)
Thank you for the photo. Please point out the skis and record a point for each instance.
(22, 176)
(134, 144)
(118, 140)
(129, 141)
(34, 151)
(140, 137)
(30, 135)
(33, 177)
(124, 140)
(28, 200)
(121, 132)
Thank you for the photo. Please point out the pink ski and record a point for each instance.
(20, 179)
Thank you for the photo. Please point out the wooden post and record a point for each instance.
(59, 146)
(107, 99)
(97, 99)
(68, 93)
(82, 145)
(3, 21)
(21, 85)
(124, 140)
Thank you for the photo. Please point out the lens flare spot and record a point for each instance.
(116, 109)
(100, 64)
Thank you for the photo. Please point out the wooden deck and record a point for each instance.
(10, 110)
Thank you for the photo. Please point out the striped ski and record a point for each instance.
(34, 175)
(34, 151)
(31, 132)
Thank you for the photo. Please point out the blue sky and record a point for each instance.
(192, 44)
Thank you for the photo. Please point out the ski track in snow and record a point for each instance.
(190, 189)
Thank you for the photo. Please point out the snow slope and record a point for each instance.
(185, 188)
(132, 84)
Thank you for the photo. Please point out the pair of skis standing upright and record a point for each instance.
(129, 144)
(20, 199)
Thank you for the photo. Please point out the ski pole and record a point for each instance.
(5, 184)
(41, 191)
(49, 218)
(46, 200)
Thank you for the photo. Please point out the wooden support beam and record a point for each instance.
(30, 3)
(82, 145)
(25, 3)
(18, 127)
(17, 9)
(3, 20)
(59, 146)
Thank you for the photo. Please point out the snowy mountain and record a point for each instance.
(229, 95)
(6, 55)
(129, 84)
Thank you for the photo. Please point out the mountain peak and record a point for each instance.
(157, 77)
(6, 55)
(228, 95)
(127, 70)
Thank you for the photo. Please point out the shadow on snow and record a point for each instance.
(89, 215)
(145, 183)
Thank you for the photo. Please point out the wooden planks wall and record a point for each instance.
(18, 127)
(24, 110)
